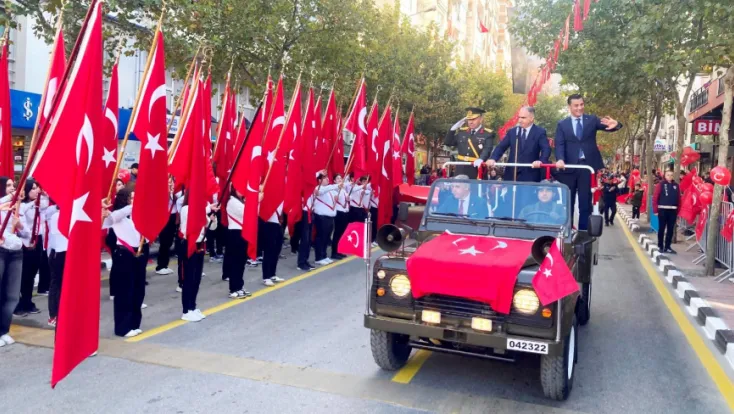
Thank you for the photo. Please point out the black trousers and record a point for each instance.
(193, 266)
(635, 212)
(216, 238)
(296, 236)
(181, 253)
(324, 228)
(235, 256)
(129, 288)
(271, 241)
(44, 271)
(357, 214)
(166, 238)
(579, 182)
(373, 217)
(304, 246)
(340, 224)
(31, 260)
(609, 206)
(56, 261)
(666, 227)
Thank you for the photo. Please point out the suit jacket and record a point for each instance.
(534, 148)
(568, 146)
(477, 207)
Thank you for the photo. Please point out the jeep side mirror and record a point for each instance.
(596, 224)
(403, 210)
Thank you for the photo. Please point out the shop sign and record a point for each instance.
(660, 145)
(706, 126)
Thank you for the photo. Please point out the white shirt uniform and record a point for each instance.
(124, 228)
(325, 204)
(56, 241)
(235, 213)
(355, 194)
(27, 213)
(184, 218)
(367, 199)
(342, 202)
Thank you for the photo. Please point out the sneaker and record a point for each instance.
(143, 306)
(164, 271)
(52, 322)
(281, 256)
(329, 261)
(139, 331)
(322, 262)
(20, 314)
(268, 282)
(276, 279)
(94, 354)
(2, 343)
(42, 293)
(112, 298)
(132, 333)
(191, 316)
(252, 263)
(374, 244)
(35, 310)
(259, 260)
(215, 259)
(247, 293)
(7, 339)
(306, 268)
(203, 274)
(670, 251)
(179, 289)
(200, 313)
(225, 279)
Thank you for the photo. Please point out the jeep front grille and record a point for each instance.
(458, 307)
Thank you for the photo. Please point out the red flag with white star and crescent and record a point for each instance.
(7, 166)
(109, 133)
(554, 279)
(272, 200)
(150, 210)
(69, 166)
(408, 149)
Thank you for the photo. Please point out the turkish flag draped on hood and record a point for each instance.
(408, 149)
(355, 125)
(109, 133)
(554, 279)
(150, 210)
(469, 267)
(69, 167)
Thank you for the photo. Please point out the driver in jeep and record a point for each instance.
(546, 210)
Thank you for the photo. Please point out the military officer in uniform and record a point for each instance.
(472, 141)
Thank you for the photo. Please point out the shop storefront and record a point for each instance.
(705, 115)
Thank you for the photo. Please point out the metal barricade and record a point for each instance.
(724, 248)
(684, 226)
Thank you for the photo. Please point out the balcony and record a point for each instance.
(699, 98)
(706, 99)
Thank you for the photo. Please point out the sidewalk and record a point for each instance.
(711, 302)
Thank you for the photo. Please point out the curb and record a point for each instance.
(712, 325)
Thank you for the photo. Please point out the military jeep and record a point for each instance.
(400, 321)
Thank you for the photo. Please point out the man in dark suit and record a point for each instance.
(528, 144)
(473, 142)
(576, 144)
(464, 203)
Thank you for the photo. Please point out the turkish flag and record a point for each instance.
(7, 166)
(687, 180)
(297, 179)
(587, 7)
(150, 210)
(728, 229)
(212, 187)
(701, 223)
(325, 145)
(225, 135)
(69, 167)
(355, 125)
(247, 174)
(482, 28)
(109, 134)
(469, 267)
(554, 279)
(55, 75)
(374, 167)
(198, 163)
(409, 150)
(309, 138)
(182, 146)
(354, 240)
(397, 160)
(273, 198)
(336, 166)
(578, 23)
(385, 179)
(690, 205)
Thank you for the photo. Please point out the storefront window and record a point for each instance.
(19, 152)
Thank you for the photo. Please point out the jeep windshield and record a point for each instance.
(519, 203)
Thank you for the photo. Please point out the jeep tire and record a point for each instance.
(390, 350)
(584, 305)
(557, 372)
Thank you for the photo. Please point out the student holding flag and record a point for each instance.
(324, 212)
(233, 267)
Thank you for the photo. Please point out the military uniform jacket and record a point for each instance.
(470, 145)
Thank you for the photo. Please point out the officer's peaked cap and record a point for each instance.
(474, 112)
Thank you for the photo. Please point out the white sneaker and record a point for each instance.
(178, 289)
(200, 313)
(191, 316)
(139, 331)
(143, 306)
(107, 263)
(203, 274)
(329, 261)
(7, 339)
(93, 354)
(2, 343)
(321, 262)
(374, 244)
(268, 282)
(276, 279)
(132, 333)
(112, 298)
(164, 271)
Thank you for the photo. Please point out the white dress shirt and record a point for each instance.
(56, 241)
(184, 219)
(127, 235)
(235, 213)
(325, 204)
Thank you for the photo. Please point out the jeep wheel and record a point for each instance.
(557, 372)
(390, 350)
(584, 306)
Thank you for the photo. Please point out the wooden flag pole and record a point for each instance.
(136, 107)
(180, 98)
(184, 117)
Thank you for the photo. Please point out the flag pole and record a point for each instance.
(136, 107)
(180, 98)
(54, 102)
(282, 131)
(184, 117)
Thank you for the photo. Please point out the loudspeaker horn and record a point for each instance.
(390, 237)
(540, 247)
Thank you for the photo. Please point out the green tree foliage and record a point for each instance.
(549, 110)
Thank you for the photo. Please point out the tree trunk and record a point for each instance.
(713, 229)
(650, 160)
(680, 114)
(644, 162)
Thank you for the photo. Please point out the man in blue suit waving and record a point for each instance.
(576, 144)
(528, 144)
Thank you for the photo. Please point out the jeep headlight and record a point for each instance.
(400, 285)
(525, 301)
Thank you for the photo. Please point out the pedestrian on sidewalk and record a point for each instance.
(11, 261)
(128, 268)
(235, 255)
(637, 201)
(665, 203)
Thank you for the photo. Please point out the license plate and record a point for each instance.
(527, 346)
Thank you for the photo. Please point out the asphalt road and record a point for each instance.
(301, 348)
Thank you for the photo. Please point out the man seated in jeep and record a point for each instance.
(546, 210)
(463, 203)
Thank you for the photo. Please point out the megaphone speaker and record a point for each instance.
(390, 237)
(540, 247)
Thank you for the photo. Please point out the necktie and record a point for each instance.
(461, 207)
(523, 137)
(579, 134)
